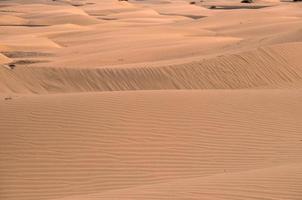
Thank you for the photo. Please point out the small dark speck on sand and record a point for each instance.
(12, 66)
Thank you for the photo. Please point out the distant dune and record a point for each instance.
(270, 67)
(150, 100)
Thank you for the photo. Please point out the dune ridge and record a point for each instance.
(270, 67)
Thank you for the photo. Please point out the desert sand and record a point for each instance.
(150, 100)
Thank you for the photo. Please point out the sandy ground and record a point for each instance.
(151, 99)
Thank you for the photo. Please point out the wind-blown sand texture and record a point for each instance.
(151, 99)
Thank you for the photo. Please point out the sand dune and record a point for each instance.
(270, 67)
(257, 184)
(153, 99)
(4, 59)
(106, 30)
(63, 145)
(9, 20)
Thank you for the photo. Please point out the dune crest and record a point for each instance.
(270, 67)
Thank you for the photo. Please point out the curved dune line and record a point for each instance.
(267, 67)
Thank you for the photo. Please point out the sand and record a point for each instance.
(153, 99)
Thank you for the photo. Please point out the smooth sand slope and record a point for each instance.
(63, 145)
(153, 99)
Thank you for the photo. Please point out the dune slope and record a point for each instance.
(270, 67)
(62, 145)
